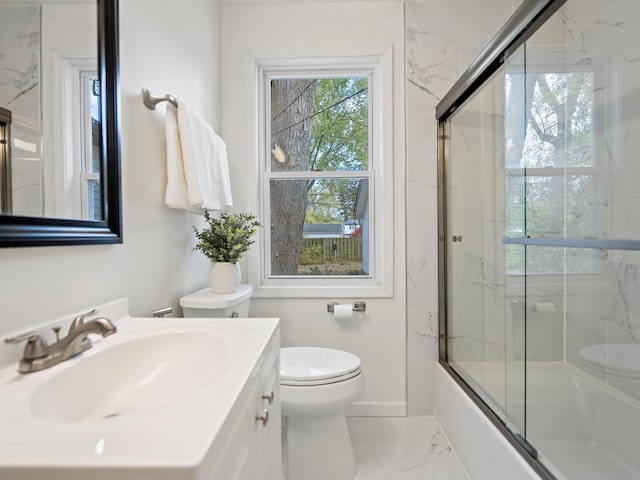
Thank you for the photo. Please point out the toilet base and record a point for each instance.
(318, 447)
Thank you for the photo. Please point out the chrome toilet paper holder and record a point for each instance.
(357, 306)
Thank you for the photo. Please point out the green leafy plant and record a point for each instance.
(311, 254)
(227, 237)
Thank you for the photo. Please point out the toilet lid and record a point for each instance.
(206, 299)
(315, 364)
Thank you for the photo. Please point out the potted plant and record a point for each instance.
(223, 240)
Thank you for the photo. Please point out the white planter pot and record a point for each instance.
(224, 277)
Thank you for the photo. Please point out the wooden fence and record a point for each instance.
(336, 248)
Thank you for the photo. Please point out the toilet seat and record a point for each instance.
(308, 366)
(326, 381)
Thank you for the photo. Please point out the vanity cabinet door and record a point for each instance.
(250, 446)
(269, 435)
(239, 459)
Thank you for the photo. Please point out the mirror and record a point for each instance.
(59, 121)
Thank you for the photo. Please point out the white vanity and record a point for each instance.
(162, 399)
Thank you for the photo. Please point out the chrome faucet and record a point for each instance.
(38, 355)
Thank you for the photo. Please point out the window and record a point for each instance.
(90, 166)
(74, 182)
(319, 164)
(324, 176)
(552, 168)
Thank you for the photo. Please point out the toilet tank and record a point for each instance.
(205, 303)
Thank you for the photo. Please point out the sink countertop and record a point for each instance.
(168, 440)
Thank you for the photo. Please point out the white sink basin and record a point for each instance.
(138, 374)
(149, 402)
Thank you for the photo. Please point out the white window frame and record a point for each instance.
(69, 148)
(379, 282)
(85, 134)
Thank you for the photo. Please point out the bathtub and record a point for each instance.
(582, 428)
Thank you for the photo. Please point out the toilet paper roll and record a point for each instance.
(343, 311)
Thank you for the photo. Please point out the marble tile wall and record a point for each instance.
(20, 93)
(19, 59)
(442, 39)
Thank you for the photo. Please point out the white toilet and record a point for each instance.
(316, 384)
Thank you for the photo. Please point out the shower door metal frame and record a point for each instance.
(524, 22)
(5, 161)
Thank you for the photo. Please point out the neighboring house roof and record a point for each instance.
(319, 228)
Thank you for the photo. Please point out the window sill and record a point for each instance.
(322, 291)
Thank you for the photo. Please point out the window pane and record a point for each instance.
(93, 94)
(319, 124)
(561, 116)
(94, 200)
(556, 205)
(92, 161)
(319, 227)
(559, 119)
(551, 260)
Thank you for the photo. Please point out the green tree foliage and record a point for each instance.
(340, 129)
(340, 142)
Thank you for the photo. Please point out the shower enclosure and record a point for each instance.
(539, 192)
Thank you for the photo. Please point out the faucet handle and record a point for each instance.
(36, 346)
(79, 320)
(56, 330)
(18, 339)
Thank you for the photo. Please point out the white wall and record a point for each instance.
(323, 29)
(168, 46)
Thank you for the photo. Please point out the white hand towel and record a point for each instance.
(203, 163)
(176, 192)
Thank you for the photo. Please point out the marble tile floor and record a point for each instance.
(403, 448)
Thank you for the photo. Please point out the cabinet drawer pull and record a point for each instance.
(269, 396)
(264, 418)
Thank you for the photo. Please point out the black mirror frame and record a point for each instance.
(17, 231)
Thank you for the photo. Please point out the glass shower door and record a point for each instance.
(484, 344)
(540, 241)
